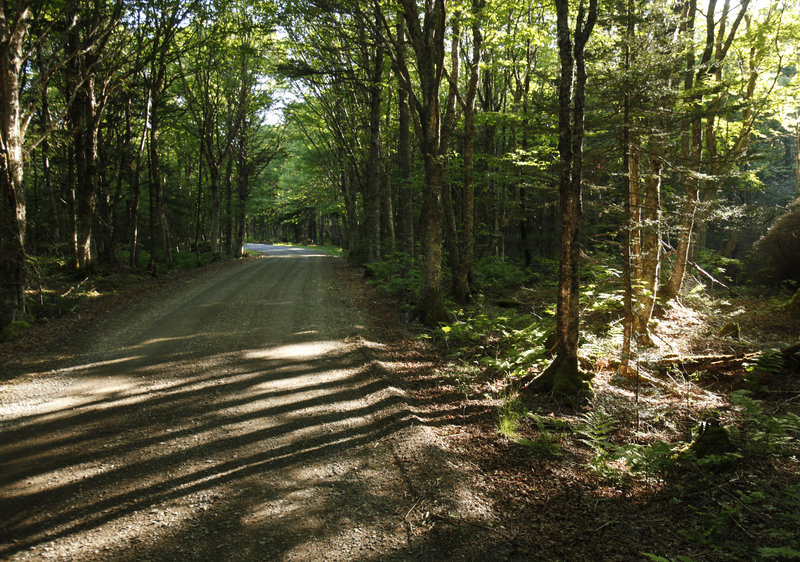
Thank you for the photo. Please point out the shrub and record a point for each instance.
(14, 330)
(499, 274)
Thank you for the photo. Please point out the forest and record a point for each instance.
(589, 210)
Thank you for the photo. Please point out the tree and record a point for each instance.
(86, 42)
(426, 31)
(22, 87)
(563, 374)
(14, 26)
(717, 44)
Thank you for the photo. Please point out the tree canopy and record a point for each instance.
(425, 132)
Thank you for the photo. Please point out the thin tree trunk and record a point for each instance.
(158, 221)
(351, 211)
(373, 188)
(406, 192)
(216, 205)
(797, 157)
(229, 205)
(716, 48)
(462, 276)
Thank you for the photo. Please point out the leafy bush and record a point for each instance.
(776, 256)
(14, 330)
(510, 344)
(396, 276)
(724, 269)
(499, 274)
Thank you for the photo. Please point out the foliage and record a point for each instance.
(511, 415)
(509, 345)
(498, 274)
(396, 276)
(768, 364)
(762, 433)
(14, 330)
(776, 256)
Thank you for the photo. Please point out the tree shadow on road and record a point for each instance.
(282, 451)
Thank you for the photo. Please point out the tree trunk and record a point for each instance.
(714, 52)
(406, 192)
(216, 205)
(797, 156)
(432, 308)
(388, 235)
(84, 119)
(229, 206)
(427, 38)
(158, 222)
(351, 211)
(13, 29)
(462, 276)
(242, 179)
(649, 267)
(563, 376)
(373, 191)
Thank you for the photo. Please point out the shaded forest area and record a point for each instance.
(588, 208)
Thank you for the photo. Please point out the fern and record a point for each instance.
(596, 428)
(781, 552)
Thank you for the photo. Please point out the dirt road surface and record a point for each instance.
(242, 414)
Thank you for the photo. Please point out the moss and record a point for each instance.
(14, 330)
(793, 307)
(563, 378)
(730, 330)
(712, 439)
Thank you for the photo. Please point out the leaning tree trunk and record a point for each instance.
(695, 81)
(649, 245)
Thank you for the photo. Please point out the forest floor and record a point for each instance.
(277, 408)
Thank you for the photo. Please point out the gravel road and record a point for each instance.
(243, 414)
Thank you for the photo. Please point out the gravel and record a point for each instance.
(244, 413)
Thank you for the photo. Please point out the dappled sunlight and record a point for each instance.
(256, 436)
(306, 350)
(280, 251)
(208, 430)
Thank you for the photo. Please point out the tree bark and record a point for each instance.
(714, 53)
(158, 218)
(427, 39)
(463, 273)
(406, 191)
(373, 191)
(563, 375)
(13, 30)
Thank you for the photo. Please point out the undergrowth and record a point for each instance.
(57, 289)
(649, 436)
